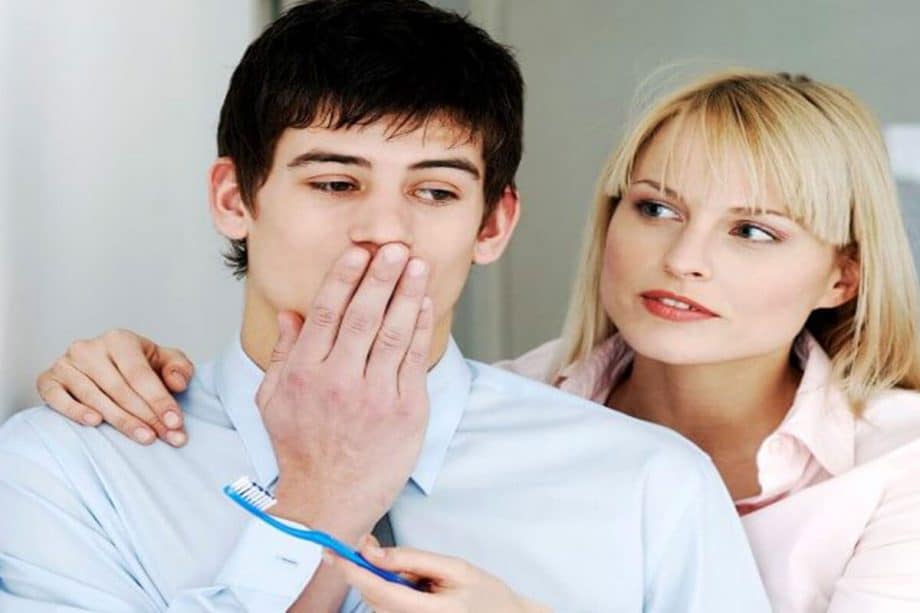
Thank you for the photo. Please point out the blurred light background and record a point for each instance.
(108, 110)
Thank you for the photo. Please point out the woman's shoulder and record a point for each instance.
(890, 420)
(539, 363)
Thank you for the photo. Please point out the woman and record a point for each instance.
(746, 281)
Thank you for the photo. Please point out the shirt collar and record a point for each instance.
(594, 376)
(237, 378)
(821, 417)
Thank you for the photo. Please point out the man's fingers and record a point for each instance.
(325, 314)
(138, 360)
(414, 367)
(289, 326)
(399, 324)
(365, 312)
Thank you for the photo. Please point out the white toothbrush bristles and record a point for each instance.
(253, 493)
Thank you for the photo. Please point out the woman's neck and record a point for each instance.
(727, 409)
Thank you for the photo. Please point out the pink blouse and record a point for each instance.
(836, 526)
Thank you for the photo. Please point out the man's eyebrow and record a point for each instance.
(319, 155)
(456, 163)
(738, 210)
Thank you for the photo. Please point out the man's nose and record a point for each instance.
(376, 224)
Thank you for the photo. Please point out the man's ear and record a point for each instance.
(844, 284)
(497, 228)
(230, 215)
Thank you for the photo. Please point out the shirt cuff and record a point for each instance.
(269, 561)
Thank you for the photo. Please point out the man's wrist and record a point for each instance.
(342, 525)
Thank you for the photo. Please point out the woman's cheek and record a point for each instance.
(775, 299)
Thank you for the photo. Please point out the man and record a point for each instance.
(367, 159)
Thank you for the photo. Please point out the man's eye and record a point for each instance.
(754, 233)
(435, 195)
(334, 186)
(656, 210)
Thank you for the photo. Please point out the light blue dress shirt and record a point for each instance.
(571, 504)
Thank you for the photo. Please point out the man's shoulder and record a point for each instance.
(502, 394)
(39, 435)
(43, 436)
(34, 423)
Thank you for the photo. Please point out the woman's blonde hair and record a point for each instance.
(823, 151)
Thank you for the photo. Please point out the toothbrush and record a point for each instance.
(256, 500)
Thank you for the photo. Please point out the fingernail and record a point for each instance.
(92, 419)
(176, 438)
(416, 267)
(171, 419)
(392, 253)
(356, 256)
(327, 557)
(426, 303)
(143, 435)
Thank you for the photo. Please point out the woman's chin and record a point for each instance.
(677, 347)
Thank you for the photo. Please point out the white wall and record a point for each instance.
(108, 111)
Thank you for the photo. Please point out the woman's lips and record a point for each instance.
(674, 307)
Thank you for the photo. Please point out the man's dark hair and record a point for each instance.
(344, 63)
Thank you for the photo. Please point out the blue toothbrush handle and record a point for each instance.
(320, 538)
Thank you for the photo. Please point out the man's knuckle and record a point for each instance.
(359, 321)
(324, 316)
(296, 380)
(336, 393)
(416, 357)
(392, 338)
(277, 356)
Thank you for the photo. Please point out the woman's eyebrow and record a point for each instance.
(738, 210)
(749, 210)
(670, 193)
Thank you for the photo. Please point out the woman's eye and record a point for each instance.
(656, 210)
(754, 233)
(435, 195)
(334, 186)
